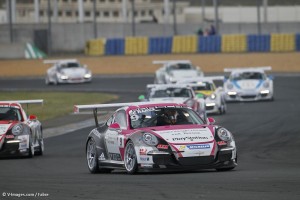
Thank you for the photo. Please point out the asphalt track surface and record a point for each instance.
(267, 135)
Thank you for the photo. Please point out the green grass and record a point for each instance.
(56, 104)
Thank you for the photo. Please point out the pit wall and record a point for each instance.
(233, 43)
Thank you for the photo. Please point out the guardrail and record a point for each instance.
(234, 43)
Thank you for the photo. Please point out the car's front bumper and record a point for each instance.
(248, 96)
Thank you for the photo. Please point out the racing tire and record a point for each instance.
(91, 156)
(40, 150)
(30, 149)
(130, 160)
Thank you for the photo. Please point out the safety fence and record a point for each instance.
(235, 43)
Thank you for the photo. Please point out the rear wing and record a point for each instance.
(263, 68)
(157, 62)
(58, 61)
(95, 107)
(200, 79)
(150, 86)
(35, 101)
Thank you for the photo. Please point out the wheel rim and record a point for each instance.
(91, 154)
(130, 157)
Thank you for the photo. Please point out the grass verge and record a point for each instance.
(56, 104)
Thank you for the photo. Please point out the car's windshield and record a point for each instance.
(70, 65)
(204, 86)
(163, 116)
(247, 75)
(170, 92)
(181, 66)
(10, 113)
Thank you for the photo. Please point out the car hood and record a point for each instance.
(74, 71)
(205, 92)
(4, 126)
(169, 99)
(247, 84)
(185, 134)
(184, 73)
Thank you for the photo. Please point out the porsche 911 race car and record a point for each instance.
(179, 93)
(20, 135)
(248, 84)
(174, 70)
(145, 136)
(214, 96)
(67, 71)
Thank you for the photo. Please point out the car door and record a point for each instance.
(112, 136)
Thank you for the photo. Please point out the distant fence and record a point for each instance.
(235, 43)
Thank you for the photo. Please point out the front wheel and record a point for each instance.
(130, 160)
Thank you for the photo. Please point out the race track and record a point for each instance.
(267, 135)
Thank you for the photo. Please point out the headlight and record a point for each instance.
(17, 129)
(150, 139)
(87, 76)
(224, 134)
(266, 84)
(229, 86)
(213, 96)
(63, 76)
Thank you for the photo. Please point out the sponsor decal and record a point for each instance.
(102, 157)
(143, 151)
(95, 132)
(222, 143)
(10, 136)
(198, 146)
(189, 138)
(145, 158)
(115, 156)
(146, 165)
(162, 146)
(141, 110)
(181, 148)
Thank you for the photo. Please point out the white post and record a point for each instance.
(13, 10)
(124, 10)
(265, 5)
(36, 11)
(167, 11)
(55, 10)
(80, 11)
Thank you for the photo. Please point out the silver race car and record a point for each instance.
(174, 70)
(148, 136)
(20, 135)
(248, 84)
(175, 93)
(67, 71)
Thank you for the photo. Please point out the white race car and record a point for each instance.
(248, 84)
(175, 93)
(174, 70)
(67, 71)
(214, 96)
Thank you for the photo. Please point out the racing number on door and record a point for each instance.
(121, 141)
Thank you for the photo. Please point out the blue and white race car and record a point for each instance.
(248, 84)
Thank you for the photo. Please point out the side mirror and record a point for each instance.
(211, 120)
(141, 97)
(32, 117)
(114, 126)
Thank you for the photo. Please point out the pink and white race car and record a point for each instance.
(144, 136)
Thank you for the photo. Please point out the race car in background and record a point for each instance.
(214, 96)
(175, 93)
(149, 136)
(248, 84)
(67, 71)
(20, 135)
(174, 70)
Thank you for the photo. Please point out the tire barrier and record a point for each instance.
(211, 44)
(234, 43)
(258, 43)
(238, 43)
(282, 42)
